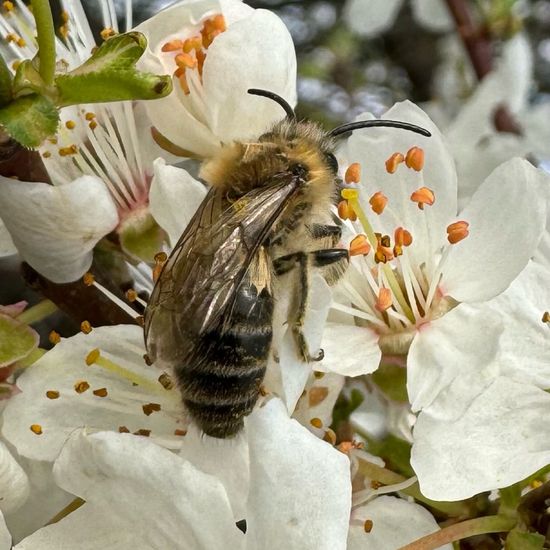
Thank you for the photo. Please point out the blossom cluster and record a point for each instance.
(431, 399)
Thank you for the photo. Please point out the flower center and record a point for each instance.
(398, 294)
(189, 55)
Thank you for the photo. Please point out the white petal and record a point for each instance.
(506, 220)
(300, 495)
(525, 344)
(5, 537)
(465, 340)
(173, 198)
(372, 147)
(138, 495)
(237, 61)
(62, 367)
(7, 248)
(55, 228)
(395, 523)
(499, 439)
(432, 14)
(225, 459)
(14, 483)
(349, 350)
(371, 17)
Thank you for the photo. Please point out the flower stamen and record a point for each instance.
(457, 231)
(423, 196)
(378, 202)
(393, 162)
(415, 159)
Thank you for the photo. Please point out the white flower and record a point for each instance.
(104, 179)
(5, 537)
(373, 17)
(7, 248)
(217, 50)
(439, 269)
(298, 495)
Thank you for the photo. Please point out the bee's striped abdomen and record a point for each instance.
(222, 383)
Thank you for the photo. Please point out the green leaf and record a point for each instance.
(30, 119)
(5, 83)
(110, 75)
(17, 340)
(518, 540)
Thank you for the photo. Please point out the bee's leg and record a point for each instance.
(333, 233)
(332, 262)
(304, 261)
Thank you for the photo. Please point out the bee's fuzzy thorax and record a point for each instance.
(243, 166)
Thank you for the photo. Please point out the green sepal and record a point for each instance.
(6, 79)
(519, 540)
(110, 75)
(142, 237)
(27, 80)
(17, 340)
(30, 119)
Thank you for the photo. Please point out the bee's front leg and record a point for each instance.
(298, 305)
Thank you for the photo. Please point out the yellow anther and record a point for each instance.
(36, 429)
(384, 300)
(16, 64)
(393, 162)
(402, 238)
(46, 154)
(160, 260)
(359, 246)
(81, 386)
(172, 46)
(70, 124)
(317, 395)
(317, 374)
(423, 196)
(88, 279)
(353, 173)
(367, 526)
(316, 422)
(330, 437)
(21, 42)
(378, 202)
(415, 158)
(8, 6)
(346, 212)
(53, 140)
(193, 43)
(123, 430)
(54, 337)
(52, 394)
(457, 231)
(546, 317)
(150, 408)
(86, 327)
(92, 125)
(350, 193)
(131, 295)
(64, 16)
(107, 33)
(10, 37)
(89, 116)
(93, 356)
(144, 433)
(70, 150)
(181, 433)
(101, 392)
(186, 61)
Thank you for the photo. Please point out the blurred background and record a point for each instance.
(364, 55)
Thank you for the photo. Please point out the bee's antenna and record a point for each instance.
(350, 126)
(290, 114)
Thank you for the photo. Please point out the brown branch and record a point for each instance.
(478, 44)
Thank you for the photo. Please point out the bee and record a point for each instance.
(268, 213)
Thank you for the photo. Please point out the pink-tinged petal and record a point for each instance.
(395, 523)
(13, 310)
(465, 340)
(55, 228)
(173, 198)
(60, 413)
(300, 487)
(373, 147)
(349, 350)
(506, 219)
(237, 61)
(371, 17)
(525, 343)
(477, 438)
(138, 495)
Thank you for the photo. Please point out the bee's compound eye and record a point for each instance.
(332, 162)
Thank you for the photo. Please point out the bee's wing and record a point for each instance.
(197, 287)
